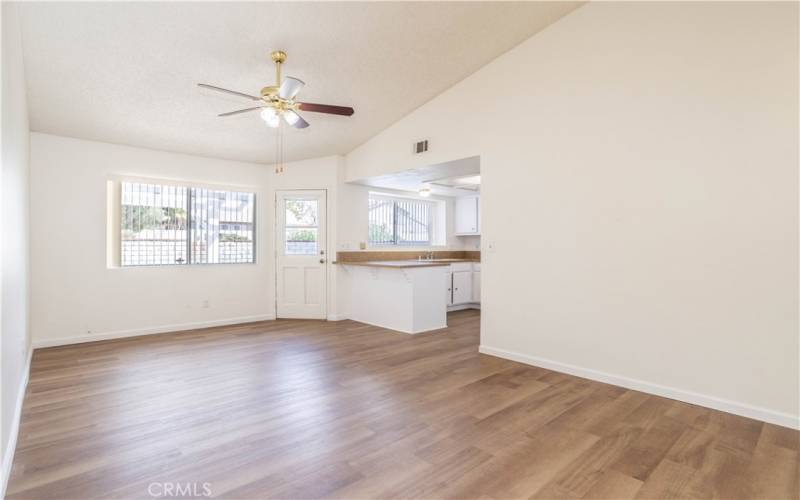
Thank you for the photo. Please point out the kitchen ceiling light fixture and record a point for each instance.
(473, 180)
(276, 101)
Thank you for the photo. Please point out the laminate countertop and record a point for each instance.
(405, 264)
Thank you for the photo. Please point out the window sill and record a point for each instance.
(182, 266)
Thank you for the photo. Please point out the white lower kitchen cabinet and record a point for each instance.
(449, 289)
(462, 287)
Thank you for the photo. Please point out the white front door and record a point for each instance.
(301, 259)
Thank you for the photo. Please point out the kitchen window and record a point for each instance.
(164, 225)
(395, 221)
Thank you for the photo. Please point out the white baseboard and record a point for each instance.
(38, 344)
(337, 317)
(742, 409)
(11, 447)
(395, 330)
(461, 307)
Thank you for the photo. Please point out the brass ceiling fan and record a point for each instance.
(278, 101)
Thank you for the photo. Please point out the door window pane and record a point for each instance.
(302, 226)
(301, 241)
(302, 213)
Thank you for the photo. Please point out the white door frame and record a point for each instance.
(321, 256)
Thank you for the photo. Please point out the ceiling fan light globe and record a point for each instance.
(268, 113)
(270, 117)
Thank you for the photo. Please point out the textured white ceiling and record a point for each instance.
(126, 73)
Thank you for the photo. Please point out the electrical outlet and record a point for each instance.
(205, 304)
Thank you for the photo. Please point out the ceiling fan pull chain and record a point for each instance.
(280, 143)
(277, 151)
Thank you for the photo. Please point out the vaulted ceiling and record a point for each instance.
(126, 73)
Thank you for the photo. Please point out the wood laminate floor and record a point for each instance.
(309, 409)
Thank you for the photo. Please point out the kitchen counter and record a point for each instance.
(405, 264)
(406, 295)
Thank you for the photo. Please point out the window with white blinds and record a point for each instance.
(175, 225)
(400, 221)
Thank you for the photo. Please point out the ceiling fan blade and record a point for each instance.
(293, 119)
(246, 110)
(326, 108)
(290, 87)
(226, 91)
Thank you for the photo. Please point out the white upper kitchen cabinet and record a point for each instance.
(467, 219)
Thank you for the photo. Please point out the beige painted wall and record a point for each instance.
(14, 272)
(639, 197)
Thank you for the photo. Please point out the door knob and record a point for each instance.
(321, 261)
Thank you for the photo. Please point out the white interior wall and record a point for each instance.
(76, 296)
(14, 224)
(469, 242)
(639, 167)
